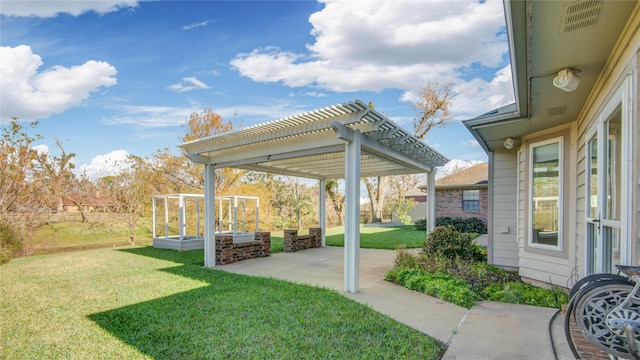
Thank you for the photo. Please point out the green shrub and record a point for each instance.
(401, 209)
(444, 221)
(406, 259)
(445, 241)
(442, 286)
(480, 274)
(465, 225)
(522, 293)
(9, 242)
(436, 272)
(420, 224)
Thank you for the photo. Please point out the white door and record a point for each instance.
(605, 183)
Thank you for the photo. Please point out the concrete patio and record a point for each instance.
(489, 330)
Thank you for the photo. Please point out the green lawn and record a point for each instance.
(143, 303)
(69, 235)
(387, 238)
(69, 232)
(380, 237)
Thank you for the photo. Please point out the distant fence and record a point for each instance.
(366, 218)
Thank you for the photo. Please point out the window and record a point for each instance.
(545, 189)
(470, 200)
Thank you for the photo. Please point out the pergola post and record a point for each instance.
(182, 217)
(352, 213)
(322, 211)
(153, 218)
(431, 201)
(209, 216)
(166, 217)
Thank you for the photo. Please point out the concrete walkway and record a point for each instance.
(489, 330)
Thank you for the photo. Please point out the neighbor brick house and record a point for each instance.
(463, 194)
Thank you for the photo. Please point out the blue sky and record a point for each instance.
(116, 77)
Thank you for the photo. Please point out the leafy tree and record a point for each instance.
(401, 208)
(9, 242)
(83, 193)
(57, 172)
(397, 204)
(301, 201)
(179, 174)
(23, 190)
(292, 200)
(129, 191)
(281, 199)
(261, 185)
(337, 199)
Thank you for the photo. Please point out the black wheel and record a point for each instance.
(567, 330)
(598, 319)
(594, 278)
(590, 285)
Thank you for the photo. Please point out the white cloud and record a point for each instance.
(41, 149)
(51, 8)
(470, 143)
(197, 25)
(376, 45)
(478, 96)
(103, 165)
(150, 116)
(146, 117)
(29, 94)
(188, 84)
(315, 94)
(455, 165)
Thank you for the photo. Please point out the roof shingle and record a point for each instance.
(475, 175)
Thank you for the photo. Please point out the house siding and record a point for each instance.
(419, 211)
(625, 65)
(502, 234)
(561, 270)
(555, 266)
(635, 150)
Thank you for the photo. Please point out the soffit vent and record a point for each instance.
(560, 110)
(581, 14)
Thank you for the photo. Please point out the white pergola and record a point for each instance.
(346, 141)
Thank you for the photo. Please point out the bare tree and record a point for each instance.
(377, 188)
(432, 111)
(433, 108)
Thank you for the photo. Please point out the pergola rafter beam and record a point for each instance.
(282, 156)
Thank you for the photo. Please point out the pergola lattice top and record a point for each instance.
(311, 145)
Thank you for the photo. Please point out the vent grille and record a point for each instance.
(581, 14)
(557, 110)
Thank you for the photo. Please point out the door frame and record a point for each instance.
(621, 97)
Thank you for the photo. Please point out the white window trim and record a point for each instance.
(478, 200)
(559, 247)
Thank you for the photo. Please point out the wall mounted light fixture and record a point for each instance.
(567, 79)
(509, 143)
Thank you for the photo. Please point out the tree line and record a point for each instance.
(34, 185)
